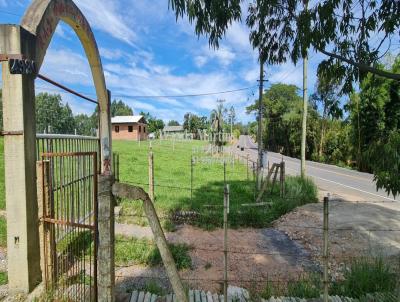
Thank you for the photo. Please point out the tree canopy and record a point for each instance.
(288, 29)
(52, 115)
(119, 108)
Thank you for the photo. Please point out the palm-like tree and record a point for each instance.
(217, 121)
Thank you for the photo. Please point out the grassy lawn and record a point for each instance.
(173, 182)
(129, 251)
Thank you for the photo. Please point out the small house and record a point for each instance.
(173, 130)
(133, 127)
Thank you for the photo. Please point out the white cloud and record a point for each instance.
(67, 67)
(223, 55)
(200, 61)
(110, 54)
(105, 17)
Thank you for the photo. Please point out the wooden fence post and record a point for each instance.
(134, 193)
(247, 166)
(326, 247)
(191, 178)
(151, 175)
(226, 212)
(254, 180)
(282, 178)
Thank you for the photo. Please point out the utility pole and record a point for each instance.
(305, 107)
(259, 139)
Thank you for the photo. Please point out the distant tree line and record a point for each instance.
(360, 130)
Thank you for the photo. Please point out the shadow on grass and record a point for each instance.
(205, 208)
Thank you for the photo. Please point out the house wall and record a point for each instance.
(124, 134)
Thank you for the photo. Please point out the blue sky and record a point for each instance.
(145, 52)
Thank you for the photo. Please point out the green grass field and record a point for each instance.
(173, 182)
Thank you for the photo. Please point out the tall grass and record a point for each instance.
(367, 279)
(367, 275)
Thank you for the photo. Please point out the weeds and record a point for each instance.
(367, 279)
(366, 275)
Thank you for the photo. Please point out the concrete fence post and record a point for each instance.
(106, 269)
(23, 249)
(326, 248)
(151, 175)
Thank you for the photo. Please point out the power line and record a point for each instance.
(165, 96)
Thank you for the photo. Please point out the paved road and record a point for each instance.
(345, 183)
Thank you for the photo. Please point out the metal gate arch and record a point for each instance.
(28, 43)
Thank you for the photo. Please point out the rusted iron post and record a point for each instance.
(226, 212)
(326, 248)
(134, 193)
(151, 175)
(46, 231)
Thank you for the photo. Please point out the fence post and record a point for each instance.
(46, 233)
(254, 180)
(325, 247)
(226, 212)
(151, 175)
(224, 173)
(191, 178)
(247, 166)
(282, 178)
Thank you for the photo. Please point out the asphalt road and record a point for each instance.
(340, 182)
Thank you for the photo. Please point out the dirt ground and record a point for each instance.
(256, 255)
(292, 247)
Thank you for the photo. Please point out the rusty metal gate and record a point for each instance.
(67, 185)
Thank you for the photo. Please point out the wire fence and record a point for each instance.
(306, 248)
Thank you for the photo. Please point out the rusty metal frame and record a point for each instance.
(51, 220)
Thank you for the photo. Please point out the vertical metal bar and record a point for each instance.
(226, 212)
(325, 247)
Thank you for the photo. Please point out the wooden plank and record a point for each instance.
(197, 296)
(169, 298)
(221, 298)
(191, 295)
(141, 297)
(174, 299)
(134, 296)
(215, 298)
(147, 297)
(209, 297)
